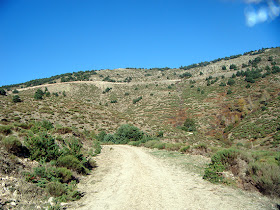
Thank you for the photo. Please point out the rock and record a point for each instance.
(50, 201)
(13, 203)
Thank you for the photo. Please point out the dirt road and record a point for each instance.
(132, 178)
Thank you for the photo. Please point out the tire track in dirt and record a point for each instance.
(131, 178)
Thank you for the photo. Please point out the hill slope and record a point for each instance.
(199, 109)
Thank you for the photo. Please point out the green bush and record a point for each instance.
(58, 174)
(228, 128)
(186, 75)
(12, 144)
(42, 146)
(16, 99)
(184, 149)
(231, 81)
(134, 101)
(97, 147)
(229, 92)
(73, 146)
(220, 162)
(5, 129)
(224, 68)
(71, 162)
(151, 143)
(265, 177)
(189, 125)
(56, 189)
(39, 94)
(109, 138)
(233, 66)
(2, 92)
(107, 90)
(135, 143)
(173, 146)
(126, 133)
(41, 126)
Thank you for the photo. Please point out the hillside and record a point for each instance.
(231, 103)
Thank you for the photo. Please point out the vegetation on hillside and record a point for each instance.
(227, 109)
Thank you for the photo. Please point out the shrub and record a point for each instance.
(15, 91)
(160, 134)
(56, 189)
(109, 138)
(229, 92)
(16, 99)
(265, 177)
(250, 79)
(42, 146)
(41, 126)
(107, 90)
(101, 135)
(73, 147)
(151, 143)
(185, 75)
(134, 143)
(224, 68)
(222, 84)
(58, 174)
(5, 129)
(2, 92)
(220, 162)
(71, 162)
(63, 130)
(184, 149)
(97, 147)
(12, 144)
(173, 147)
(228, 128)
(126, 133)
(39, 94)
(231, 81)
(189, 125)
(137, 100)
(233, 66)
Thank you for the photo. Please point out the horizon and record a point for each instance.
(48, 38)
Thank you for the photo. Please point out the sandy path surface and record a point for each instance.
(132, 178)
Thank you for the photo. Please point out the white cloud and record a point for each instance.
(268, 10)
(253, 1)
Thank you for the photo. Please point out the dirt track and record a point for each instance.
(131, 178)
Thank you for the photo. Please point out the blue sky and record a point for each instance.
(43, 38)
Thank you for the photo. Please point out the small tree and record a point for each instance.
(231, 82)
(233, 66)
(189, 125)
(39, 94)
(224, 68)
(2, 92)
(16, 99)
(15, 91)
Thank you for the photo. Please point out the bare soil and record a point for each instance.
(132, 178)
